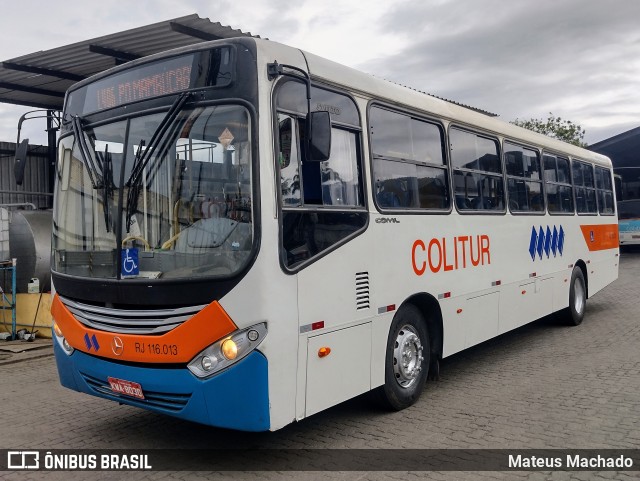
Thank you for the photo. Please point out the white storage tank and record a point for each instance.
(30, 244)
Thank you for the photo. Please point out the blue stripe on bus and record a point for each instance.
(632, 225)
(237, 398)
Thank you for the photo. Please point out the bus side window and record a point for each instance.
(339, 174)
(477, 174)
(584, 188)
(604, 188)
(524, 179)
(558, 185)
(335, 181)
(408, 161)
(322, 203)
(288, 157)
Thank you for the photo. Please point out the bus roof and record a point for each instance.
(371, 87)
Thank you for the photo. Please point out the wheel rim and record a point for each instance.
(407, 357)
(578, 296)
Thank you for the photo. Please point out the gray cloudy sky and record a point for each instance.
(579, 59)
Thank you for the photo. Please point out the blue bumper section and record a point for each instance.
(237, 398)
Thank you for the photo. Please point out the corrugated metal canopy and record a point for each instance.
(41, 79)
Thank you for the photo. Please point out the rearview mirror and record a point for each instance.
(319, 135)
(21, 161)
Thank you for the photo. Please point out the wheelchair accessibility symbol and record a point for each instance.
(129, 262)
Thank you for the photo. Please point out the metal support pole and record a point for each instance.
(51, 151)
(13, 299)
(6, 304)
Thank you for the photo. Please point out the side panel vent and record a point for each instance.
(362, 290)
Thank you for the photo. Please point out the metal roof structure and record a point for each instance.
(41, 79)
(623, 149)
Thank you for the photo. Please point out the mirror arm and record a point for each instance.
(275, 70)
(20, 156)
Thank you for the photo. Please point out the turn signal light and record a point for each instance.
(324, 351)
(61, 340)
(57, 330)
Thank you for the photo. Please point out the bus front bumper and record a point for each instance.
(236, 398)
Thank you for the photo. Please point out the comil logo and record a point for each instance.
(546, 242)
(23, 460)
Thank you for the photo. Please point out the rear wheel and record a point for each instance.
(577, 298)
(407, 359)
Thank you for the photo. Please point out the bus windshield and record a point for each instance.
(156, 196)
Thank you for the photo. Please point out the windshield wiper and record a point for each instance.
(134, 190)
(107, 181)
(95, 176)
(141, 161)
(143, 156)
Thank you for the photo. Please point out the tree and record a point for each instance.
(555, 127)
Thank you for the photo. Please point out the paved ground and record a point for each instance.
(542, 386)
(12, 352)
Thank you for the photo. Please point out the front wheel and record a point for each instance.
(407, 359)
(577, 298)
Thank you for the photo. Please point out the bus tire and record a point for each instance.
(577, 298)
(406, 360)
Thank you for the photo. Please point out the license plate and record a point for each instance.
(126, 388)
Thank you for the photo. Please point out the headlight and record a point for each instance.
(228, 351)
(60, 339)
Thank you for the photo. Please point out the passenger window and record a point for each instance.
(524, 179)
(332, 182)
(408, 162)
(405, 185)
(477, 174)
(605, 191)
(558, 184)
(563, 171)
(585, 191)
(339, 174)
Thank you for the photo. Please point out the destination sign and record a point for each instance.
(165, 83)
(152, 80)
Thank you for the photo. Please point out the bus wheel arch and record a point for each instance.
(430, 309)
(578, 295)
(583, 266)
(414, 348)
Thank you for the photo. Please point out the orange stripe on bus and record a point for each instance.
(600, 237)
(179, 345)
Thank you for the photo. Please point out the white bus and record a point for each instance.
(246, 234)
